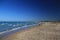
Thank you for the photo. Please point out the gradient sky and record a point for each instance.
(26, 10)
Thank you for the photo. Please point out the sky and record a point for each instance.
(29, 10)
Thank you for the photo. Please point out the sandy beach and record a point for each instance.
(44, 31)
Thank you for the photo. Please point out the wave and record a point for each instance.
(15, 29)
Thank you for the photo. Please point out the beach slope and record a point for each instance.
(44, 31)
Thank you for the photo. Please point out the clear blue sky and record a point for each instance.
(26, 10)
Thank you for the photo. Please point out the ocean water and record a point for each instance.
(4, 26)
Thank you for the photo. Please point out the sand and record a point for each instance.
(45, 31)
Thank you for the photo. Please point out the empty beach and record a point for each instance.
(44, 31)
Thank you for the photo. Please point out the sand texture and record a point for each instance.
(44, 31)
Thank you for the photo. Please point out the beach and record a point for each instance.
(44, 31)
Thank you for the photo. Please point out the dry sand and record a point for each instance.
(45, 31)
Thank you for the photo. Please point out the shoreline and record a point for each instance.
(6, 33)
(44, 31)
(34, 29)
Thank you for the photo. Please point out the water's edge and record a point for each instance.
(2, 34)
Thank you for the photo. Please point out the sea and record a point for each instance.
(6, 26)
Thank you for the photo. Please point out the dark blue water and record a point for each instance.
(4, 26)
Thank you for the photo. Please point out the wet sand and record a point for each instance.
(44, 31)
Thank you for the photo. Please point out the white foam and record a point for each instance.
(14, 25)
(9, 24)
(9, 30)
(17, 28)
(3, 24)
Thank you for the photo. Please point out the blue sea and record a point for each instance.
(4, 26)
